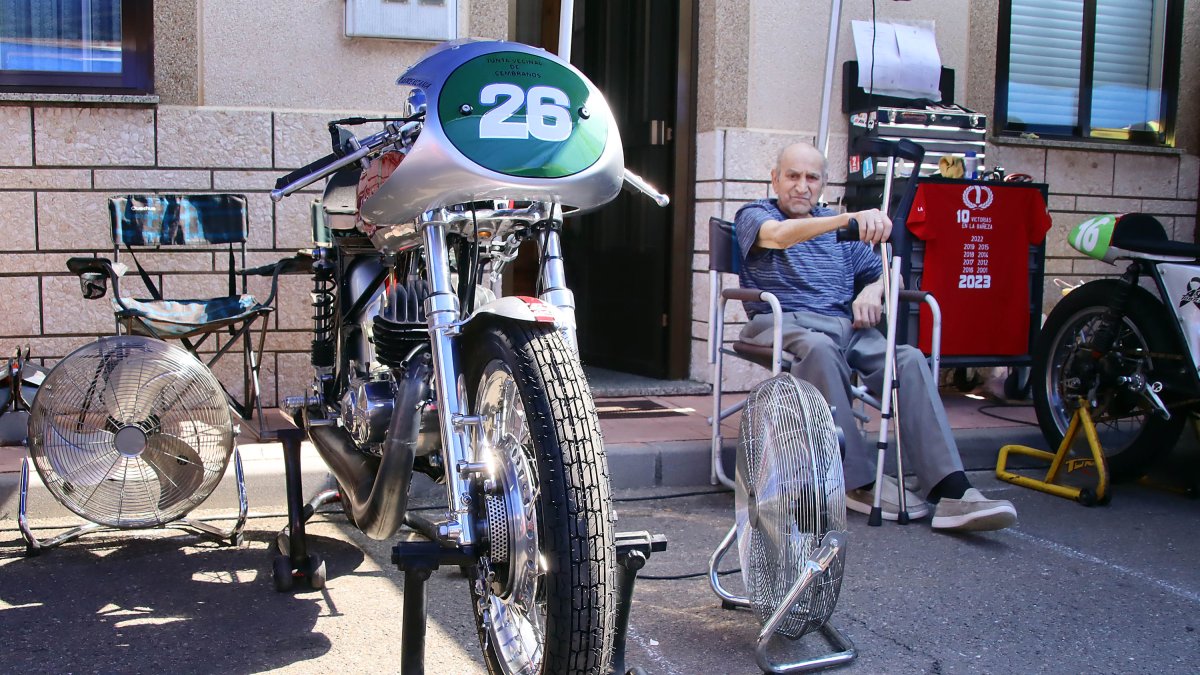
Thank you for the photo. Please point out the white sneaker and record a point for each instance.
(973, 513)
(861, 500)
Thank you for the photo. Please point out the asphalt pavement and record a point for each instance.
(1069, 589)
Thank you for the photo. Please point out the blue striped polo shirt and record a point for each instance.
(817, 275)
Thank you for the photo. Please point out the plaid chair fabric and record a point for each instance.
(187, 318)
(188, 220)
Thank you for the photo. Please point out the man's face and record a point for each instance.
(798, 181)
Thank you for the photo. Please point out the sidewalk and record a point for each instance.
(665, 440)
(656, 441)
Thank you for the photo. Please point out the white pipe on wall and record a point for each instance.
(566, 24)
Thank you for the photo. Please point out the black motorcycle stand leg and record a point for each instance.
(633, 548)
(418, 557)
(295, 562)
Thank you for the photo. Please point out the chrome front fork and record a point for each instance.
(554, 278)
(444, 315)
(457, 426)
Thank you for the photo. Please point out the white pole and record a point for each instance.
(835, 20)
(566, 24)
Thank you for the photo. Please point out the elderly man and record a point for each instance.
(789, 248)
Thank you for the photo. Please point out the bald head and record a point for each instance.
(801, 150)
(798, 179)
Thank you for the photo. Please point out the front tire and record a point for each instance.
(1130, 434)
(544, 594)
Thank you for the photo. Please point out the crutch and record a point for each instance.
(889, 398)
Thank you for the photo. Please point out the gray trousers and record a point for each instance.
(825, 349)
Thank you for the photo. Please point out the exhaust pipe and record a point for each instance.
(375, 489)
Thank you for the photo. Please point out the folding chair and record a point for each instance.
(212, 222)
(724, 258)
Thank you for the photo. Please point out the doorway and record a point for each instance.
(629, 263)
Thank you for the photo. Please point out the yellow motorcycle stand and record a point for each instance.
(1081, 419)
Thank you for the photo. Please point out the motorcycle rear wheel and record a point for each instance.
(544, 594)
(1130, 434)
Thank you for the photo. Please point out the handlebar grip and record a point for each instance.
(305, 170)
(638, 183)
(849, 232)
(901, 147)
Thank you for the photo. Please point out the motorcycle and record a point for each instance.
(1130, 354)
(423, 365)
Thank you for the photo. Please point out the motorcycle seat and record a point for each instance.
(1142, 233)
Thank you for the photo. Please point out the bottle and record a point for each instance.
(971, 166)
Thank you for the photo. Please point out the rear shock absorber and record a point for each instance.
(324, 349)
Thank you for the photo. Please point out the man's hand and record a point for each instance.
(873, 225)
(868, 305)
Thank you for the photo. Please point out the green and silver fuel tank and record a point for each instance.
(503, 121)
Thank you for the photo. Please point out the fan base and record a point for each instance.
(34, 546)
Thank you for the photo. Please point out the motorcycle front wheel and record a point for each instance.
(1132, 436)
(543, 592)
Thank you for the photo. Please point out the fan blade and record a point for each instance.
(82, 457)
(178, 466)
(139, 392)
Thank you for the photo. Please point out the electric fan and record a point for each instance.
(130, 432)
(790, 519)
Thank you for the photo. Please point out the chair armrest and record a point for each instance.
(913, 296)
(94, 265)
(743, 294)
(92, 273)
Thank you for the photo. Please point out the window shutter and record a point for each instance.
(1045, 48)
(1126, 77)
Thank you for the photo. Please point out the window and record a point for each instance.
(76, 46)
(1093, 69)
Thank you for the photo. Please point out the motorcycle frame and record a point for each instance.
(445, 320)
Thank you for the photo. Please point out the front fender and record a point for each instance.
(520, 308)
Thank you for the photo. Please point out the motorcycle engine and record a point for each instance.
(367, 409)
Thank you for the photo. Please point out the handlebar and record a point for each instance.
(638, 183)
(393, 134)
(302, 178)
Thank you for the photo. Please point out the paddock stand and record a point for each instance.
(417, 556)
(292, 560)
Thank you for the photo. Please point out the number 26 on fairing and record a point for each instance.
(547, 115)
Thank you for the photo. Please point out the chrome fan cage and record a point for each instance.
(789, 494)
(130, 432)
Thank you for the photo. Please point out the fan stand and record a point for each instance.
(833, 546)
(34, 546)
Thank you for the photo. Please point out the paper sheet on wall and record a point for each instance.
(905, 60)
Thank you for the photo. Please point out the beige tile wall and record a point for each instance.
(58, 166)
(733, 167)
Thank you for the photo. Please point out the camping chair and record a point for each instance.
(209, 222)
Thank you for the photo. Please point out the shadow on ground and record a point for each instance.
(157, 604)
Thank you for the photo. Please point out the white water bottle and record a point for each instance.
(971, 166)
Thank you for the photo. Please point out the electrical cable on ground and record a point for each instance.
(984, 411)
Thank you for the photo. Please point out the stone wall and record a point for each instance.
(733, 167)
(58, 166)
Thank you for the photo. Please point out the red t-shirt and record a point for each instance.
(977, 240)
